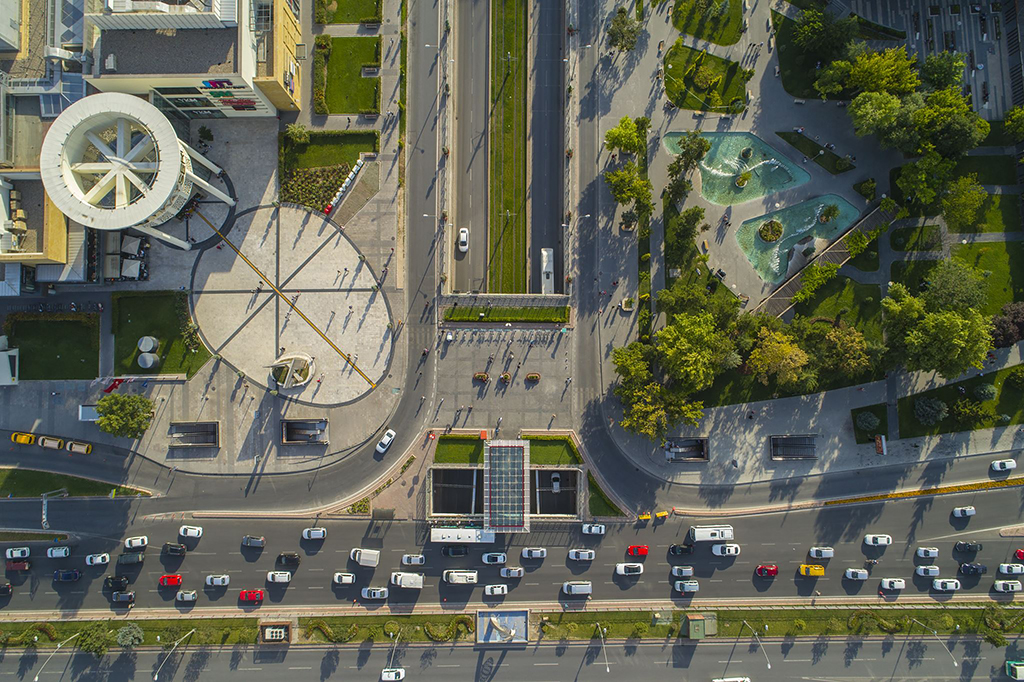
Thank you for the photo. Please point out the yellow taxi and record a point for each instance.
(23, 438)
(812, 570)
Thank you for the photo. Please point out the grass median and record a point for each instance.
(30, 483)
(600, 504)
(426, 628)
(482, 313)
(210, 632)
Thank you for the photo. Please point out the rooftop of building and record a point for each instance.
(168, 51)
(30, 61)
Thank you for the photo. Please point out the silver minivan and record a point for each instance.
(578, 587)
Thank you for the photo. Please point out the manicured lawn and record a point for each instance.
(912, 273)
(507, 230)
(28, 483)
(600, 505)
(328, 148)
(55, 346)
(883, 423)
(729, 91)
(1008, 401)
(364, 628)
(998, 135)
(722, 28)
(999, 213)
(916, 238)
(161, 314)
(861, 301)
(867, 260)
(1005, 260)
(991, 170)
(553, 450)
(502, 314)
(459, 450)
(828, 160)
(347, 91)
(796, 69)
(352, 11)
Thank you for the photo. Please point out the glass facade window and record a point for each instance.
(178, 91)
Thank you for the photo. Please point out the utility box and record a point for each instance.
(701, 625)
(304, 432)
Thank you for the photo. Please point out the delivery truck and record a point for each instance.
(412, 581)
(365, 557)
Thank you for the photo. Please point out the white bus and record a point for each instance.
(711, 533)
(547, 271)
(461, 535)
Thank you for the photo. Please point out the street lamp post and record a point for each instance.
(391, 658)
(760, 646)
(156, 675)
(36, 679)
(935, 633)
(604, 646)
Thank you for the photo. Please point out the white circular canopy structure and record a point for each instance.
(112, 161)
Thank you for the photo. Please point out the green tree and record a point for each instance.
(830, 213)
(833, 78)
(962, 203)
(691, 349)
(901, 313)
(692, 148)
(693, 298)
(948, 122)
(845, 351)
(1013, 121)
(812, 278)
(953, 285)
(872, 112)
(949, 342)
(943, 70)
(297, 133)
(823, 36)
(624, 31)
(96, 638)
(127, 416)
(130, 635)
(901, 133)
(889, 71)
(624, 182)
(625, 137)
(921, 180)
(776, 354)
(633, 365)
(656, 411)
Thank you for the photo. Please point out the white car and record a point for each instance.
(222, 580)
(822, 552)
(877, 539)
(344, 578)
(682, 571)
(385, 441)
(593, 529)
(413, 559)
(1007, 586)
(316, 533)
(136, 542)
(392, 674)
(927, 571)
(893, 583)
(728, 549)
(686, 586)
(191, 531)
(582, 554)
(534, 552)
(495, 558)
(962, 512)
(1011, 569)
(495, 590)
(279, 576)
(61, 552)
(856, 574)
(928, 552)
(629, 569)
(17, 552)
(1004, 465)
(946, 584)
(511, 572)
(97, 559)
(463, 239)
(375, 593)
(186, 595)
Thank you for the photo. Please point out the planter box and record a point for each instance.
(533, 376)
(481, 376)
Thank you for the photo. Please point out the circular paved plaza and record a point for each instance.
(287, 257)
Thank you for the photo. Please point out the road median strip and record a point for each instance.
(924, 492)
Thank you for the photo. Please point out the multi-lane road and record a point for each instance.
(776, 538)
(850, 660)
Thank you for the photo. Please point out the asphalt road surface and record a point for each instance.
(847, 660)
(777, 538)
(472, 111)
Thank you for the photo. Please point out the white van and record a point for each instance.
(460, 577)
(711, 533)
(578, 587)
(412, 581)
(547, 271)
(365, 557)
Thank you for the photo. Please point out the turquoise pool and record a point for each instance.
(771, 260)
(770, 171)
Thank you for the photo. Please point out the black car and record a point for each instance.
(453, 551)
(676, 550)
(175, 548)
(67, 575)
(6, 590)
(116, 582)
(968, 546)
(254, 541)
(973, 569)
(288, 558)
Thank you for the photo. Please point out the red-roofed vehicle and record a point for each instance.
(251, 595)
(173, 580)
(767, 570)
(637, 550)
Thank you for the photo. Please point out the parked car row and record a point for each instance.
(51, 443)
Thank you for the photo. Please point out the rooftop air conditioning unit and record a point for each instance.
(110, 63)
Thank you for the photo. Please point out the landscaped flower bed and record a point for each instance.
(770, 231)
(506, 377)
(481, 376)
(533, 376)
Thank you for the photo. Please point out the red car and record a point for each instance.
(637, 550)
(170, 580)
(767, 570)
(251, 595)
(1019, 554)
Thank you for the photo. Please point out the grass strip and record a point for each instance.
(991, 169)
(881, 413)
(57, 346)
(998, 135)
(32, 483)
(27, 536)
(553, 450)
(413, 628)
(828, 160)
(347, 91)
(916, 238)
(459, 449)
(937, 490)
(459, 313)
(600, 504)
(1008, 403)
(209, 632)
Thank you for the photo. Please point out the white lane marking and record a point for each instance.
(538, 664)
(448, 665)
(311, 570)
(248, 669)
(300, 667)
(316, 587)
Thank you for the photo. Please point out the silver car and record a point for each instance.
(582, 554)
(186, 595)
(222, 580)
(375, 593)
